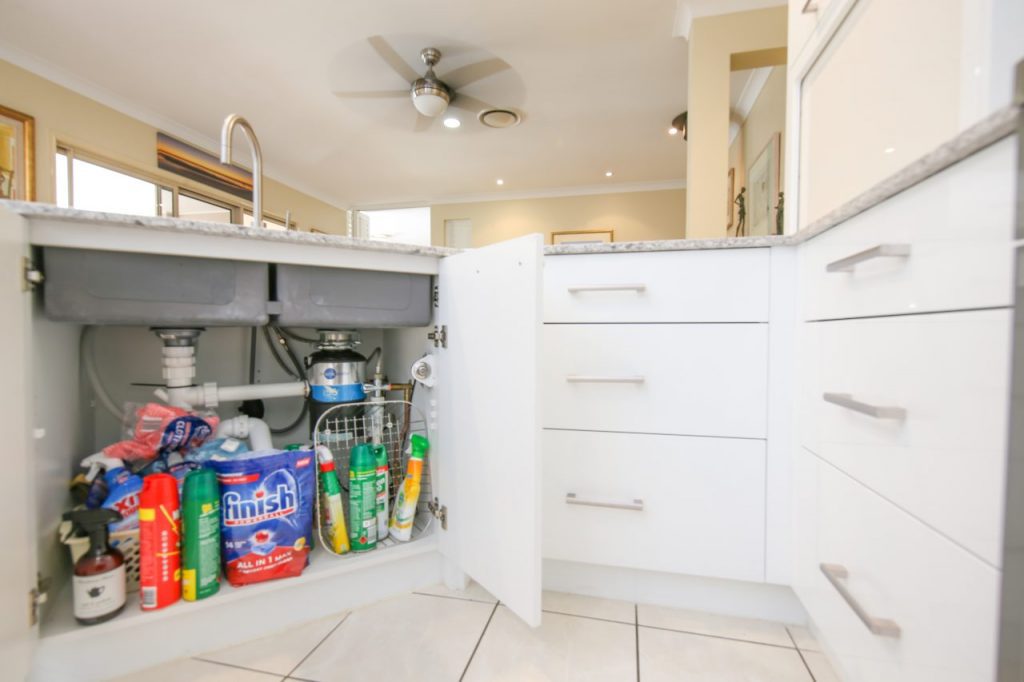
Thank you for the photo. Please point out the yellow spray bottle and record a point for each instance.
(404, 512)
(332, 512)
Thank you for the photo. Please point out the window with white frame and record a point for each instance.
(402, 225)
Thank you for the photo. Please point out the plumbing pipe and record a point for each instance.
(89, 363)
(211, 395)
(255, 430)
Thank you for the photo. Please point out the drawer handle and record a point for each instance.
(809, 7)
(881, 251)
(594, 379)
(638, 288)
(879, 626)
(877, 411)
(635, 505)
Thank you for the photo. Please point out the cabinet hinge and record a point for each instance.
(439, 336)
(31, 275)
(439, 511)
(437, 296)
(36, 598)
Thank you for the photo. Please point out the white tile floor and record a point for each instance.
(439, 634)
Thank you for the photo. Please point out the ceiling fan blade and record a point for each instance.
(468, 103)
(371, 94)
(388, 54)
(471, 73)
(423, 123)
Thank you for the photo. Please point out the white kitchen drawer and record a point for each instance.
(702, 502)
(943, 600)
(957, 226)
(944, 459)
(727, 285)
(685, 379)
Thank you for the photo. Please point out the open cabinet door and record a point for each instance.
(489, 418)
(17, 569)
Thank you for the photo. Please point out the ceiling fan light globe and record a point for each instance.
(430, 101)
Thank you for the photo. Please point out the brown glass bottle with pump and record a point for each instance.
(99, 577)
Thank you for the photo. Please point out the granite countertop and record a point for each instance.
(985, 132)
(980, 135)
(85, 218)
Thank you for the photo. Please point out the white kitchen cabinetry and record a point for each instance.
(484, 459)
(903, 418)
(655, 385)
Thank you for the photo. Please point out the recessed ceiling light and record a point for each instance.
(890, 150)
(673, 130)
(499, 181)
(452, 122)
(607, 174)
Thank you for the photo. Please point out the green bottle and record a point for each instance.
(383, 481)
(200, 529)
(362, 498)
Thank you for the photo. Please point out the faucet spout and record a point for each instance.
(226, 131)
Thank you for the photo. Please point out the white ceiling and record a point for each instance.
(598, 83)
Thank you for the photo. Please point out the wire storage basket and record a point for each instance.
(390, 423)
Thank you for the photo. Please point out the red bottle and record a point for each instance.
(159, 542)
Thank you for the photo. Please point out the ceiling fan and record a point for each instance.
(431, 96)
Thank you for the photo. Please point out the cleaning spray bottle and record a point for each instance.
(200, 532)
(409, 494)
(362, 498)
(99, 581)
(332, 513)
(380, 453)
(159, 556)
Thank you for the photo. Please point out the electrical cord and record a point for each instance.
(272, 347)
(252, 356)
(288, 349)
(268, 332)
(295, 336)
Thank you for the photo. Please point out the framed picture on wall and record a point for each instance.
(17, 155)
(729, 196)
(583, 237)
(763, 189)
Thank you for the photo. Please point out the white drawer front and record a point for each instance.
(943, 600)
(956, 228)
(729, 285)
(686, 379)
(943, 460)
(701, 499)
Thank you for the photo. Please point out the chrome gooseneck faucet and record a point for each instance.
(226, 132)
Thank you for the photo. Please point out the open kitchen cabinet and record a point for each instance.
(484, 462)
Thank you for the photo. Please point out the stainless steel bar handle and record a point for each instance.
(809, 7)
(879, 626)
(881, 251)
(577, 288)
(877, 411)
(634, 505)
(596, 379)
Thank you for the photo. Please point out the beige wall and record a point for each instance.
(65, 116)
(766, 117)
(713, 41)
(634, 216)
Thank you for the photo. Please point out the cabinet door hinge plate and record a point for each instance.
(36, 598)
(31, 276)
(439, 511)
(439, 336)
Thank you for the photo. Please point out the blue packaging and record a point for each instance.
(266, 513)
(123, 497)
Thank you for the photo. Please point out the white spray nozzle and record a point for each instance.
(98, 462)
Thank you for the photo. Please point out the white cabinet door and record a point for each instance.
(488, 457)
(18, 569)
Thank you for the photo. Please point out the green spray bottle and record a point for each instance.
(362, 498)
(200, 546)
(383, 485)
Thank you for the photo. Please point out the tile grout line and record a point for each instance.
(448, 596)
(636, 630)
(801, 655)
(324, 639)
(577, 615)
(482, 633)
(236, 667)
(730, 639)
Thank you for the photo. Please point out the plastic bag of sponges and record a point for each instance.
(157, 429)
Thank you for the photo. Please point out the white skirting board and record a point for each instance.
(713, 595)
(105, 651)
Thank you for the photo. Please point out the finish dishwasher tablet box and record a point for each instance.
(267, 502)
